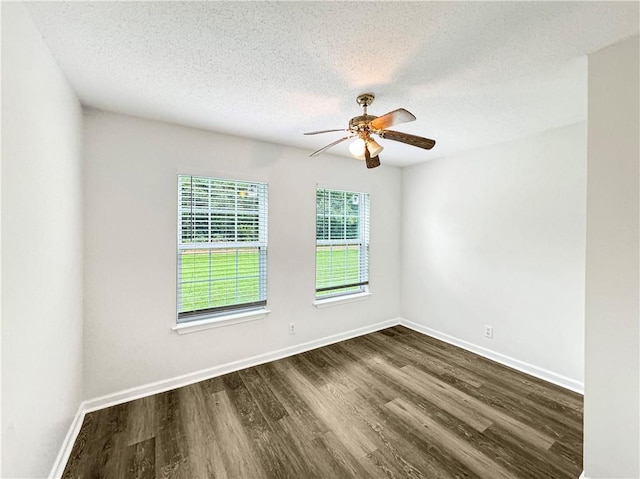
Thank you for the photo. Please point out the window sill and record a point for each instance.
(219, 321)
(335, 301)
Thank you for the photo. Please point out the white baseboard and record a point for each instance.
(69, 441)
(582, 476)
(521, 366)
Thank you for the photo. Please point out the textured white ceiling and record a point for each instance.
(473, 73)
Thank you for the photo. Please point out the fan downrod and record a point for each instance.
(359, 123)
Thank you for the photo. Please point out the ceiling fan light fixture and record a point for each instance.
(357, 148)
(374, 147)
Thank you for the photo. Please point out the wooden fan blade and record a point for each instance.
(412, 140)
(392, 118)
(330, 145)
(323, 131)
(371, 162)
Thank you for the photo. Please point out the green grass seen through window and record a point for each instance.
(209, 278)
(212, 279)
(337, 265)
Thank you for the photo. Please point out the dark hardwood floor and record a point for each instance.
(394, 403)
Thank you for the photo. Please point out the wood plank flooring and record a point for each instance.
(391, 404)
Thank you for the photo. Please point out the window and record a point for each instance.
(342, 243)
(222, 246)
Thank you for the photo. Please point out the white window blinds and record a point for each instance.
(342, 242)
(222, 246)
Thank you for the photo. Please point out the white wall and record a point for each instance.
(611, 425)
(41, 250)
(130, 245)
(496, 237)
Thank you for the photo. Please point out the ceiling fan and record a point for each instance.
(363, 126)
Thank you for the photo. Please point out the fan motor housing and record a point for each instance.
(358, 122)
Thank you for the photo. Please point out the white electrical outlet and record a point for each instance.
(488, 331)
(292, 328)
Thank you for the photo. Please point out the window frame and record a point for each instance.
(196, 319)
(362, 242)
